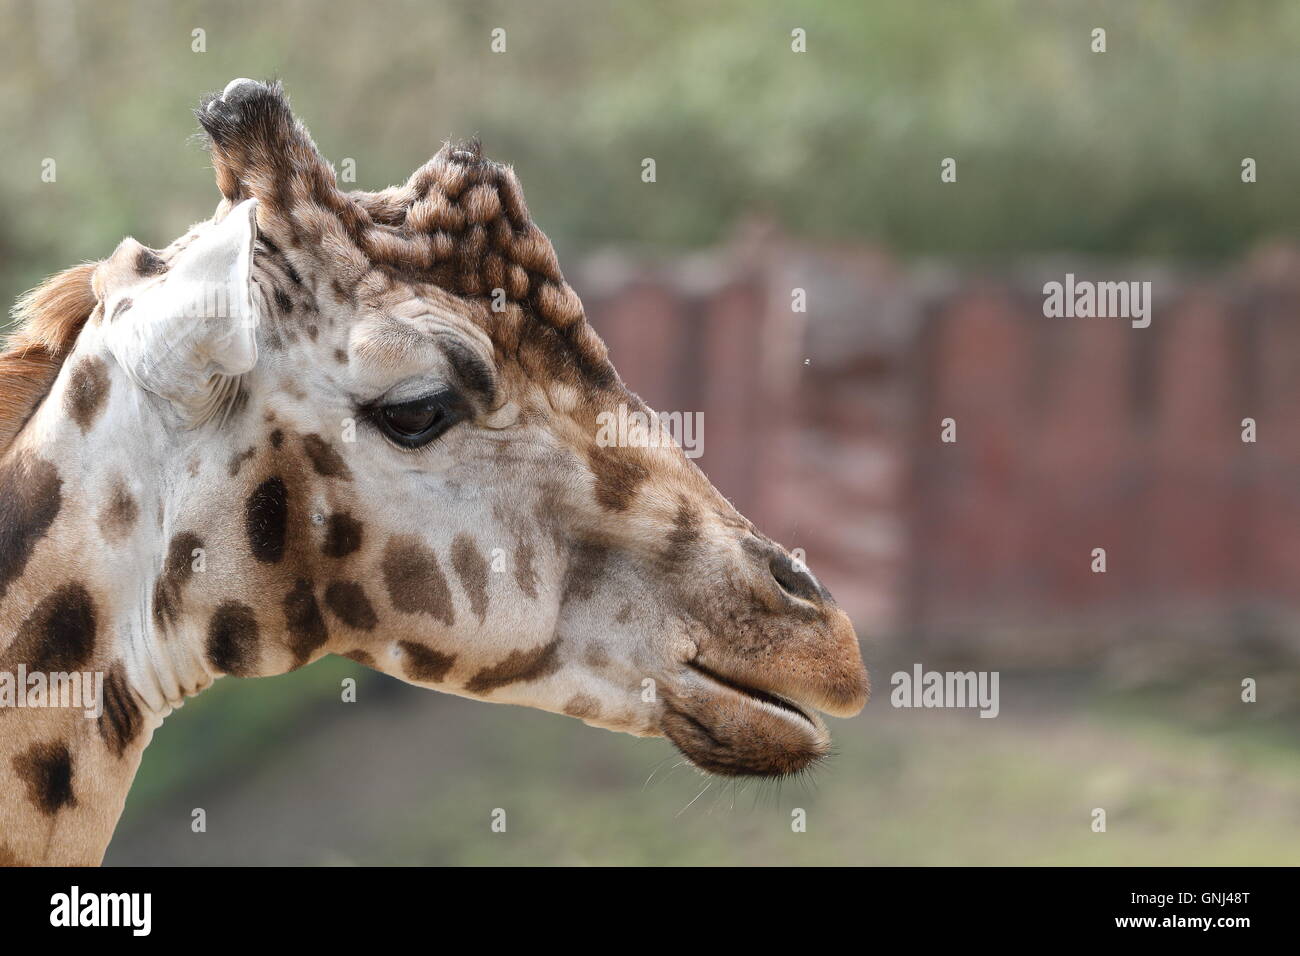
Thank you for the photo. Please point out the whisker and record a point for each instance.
(697, 796)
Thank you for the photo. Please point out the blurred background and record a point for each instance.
(818, 171)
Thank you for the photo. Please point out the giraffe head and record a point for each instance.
(368, 424)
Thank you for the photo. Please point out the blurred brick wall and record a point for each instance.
(1073, 434)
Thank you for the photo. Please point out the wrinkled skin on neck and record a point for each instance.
(232, 498)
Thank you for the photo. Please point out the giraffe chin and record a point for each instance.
(727, 729)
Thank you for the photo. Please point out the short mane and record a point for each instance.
(49, 318)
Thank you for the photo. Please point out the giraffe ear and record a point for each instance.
(190, 336)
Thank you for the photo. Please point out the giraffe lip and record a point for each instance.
(754, 693)
(731, 729)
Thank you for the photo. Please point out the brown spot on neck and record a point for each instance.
(582, 706)
(87, 391)
(168, 590)
(30, 500)
(232, 639)
(47, 770)
(121, 722)
(361, 657)
(119, 513)
(58, 635)
(517, 666)
(424, 663)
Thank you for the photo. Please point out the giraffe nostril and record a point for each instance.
(793, 579)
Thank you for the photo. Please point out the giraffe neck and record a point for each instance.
(80, 517)
(67, 781)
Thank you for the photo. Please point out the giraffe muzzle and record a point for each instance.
(732, 729)
(768, 656)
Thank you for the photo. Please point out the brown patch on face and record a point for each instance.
(121, 721)
(686, 532)
(237, 461)
(277, 438)
(87, 391)
(148, 263)
(348, 601)
(46, 769)
(304, 621)
(617, 476)
(342, 535)
(118, 516)
(624, 613)
(58, 635)
(472, 569)
(586, 567)
(415, 582)
(341, 356)
(424, 663)
(232, 639)
(517, 666)
(582, 706)
(176, 573)
(266, 520)
(327, 462)
(525, 576)
(361, 657)
(30, 501)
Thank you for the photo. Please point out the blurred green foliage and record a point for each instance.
(1136, 150)
(1187, 776)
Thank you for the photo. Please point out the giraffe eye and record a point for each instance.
(418, 422)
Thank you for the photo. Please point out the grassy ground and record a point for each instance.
(410, 777)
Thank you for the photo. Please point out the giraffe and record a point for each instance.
(363, 423)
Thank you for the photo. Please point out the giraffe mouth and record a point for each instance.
(761, 696)
(729, 728)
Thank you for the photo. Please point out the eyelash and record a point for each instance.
(446, 410)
